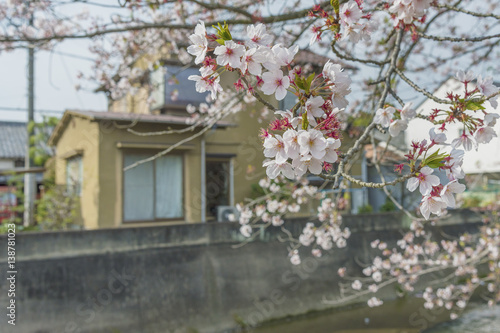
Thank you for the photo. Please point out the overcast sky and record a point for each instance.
(55, 76)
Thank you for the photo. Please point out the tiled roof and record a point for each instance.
(12, 139)
(127, 117)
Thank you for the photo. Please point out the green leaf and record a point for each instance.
(223, 33)
(310, 79)
(299, 81)
(474, 105)
(436, 160)
(336, 6)
(305, 122)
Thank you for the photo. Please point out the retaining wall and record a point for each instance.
(181, 278)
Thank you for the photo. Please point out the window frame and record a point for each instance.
(70, 188)
(163, 87)
(151, 153)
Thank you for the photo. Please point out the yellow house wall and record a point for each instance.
(111, 172)
(81, 134)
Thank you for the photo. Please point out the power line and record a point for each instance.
(6, 108)
(71, 55)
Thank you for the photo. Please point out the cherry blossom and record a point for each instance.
(436, 138)
(312, 142)
(384, 116)
(275, 82)
(229, 54)
(424, 181)
(448, 191)
(200, 43)
(356, 285)
(258, 36)
(484, 134)
(275, 147)
(431, 204)
(465, 77)
(397, 126)
(407, 113)
(252, 60)
(350, 12)
(465, 140)
(292, 147)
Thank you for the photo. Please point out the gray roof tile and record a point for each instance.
(12, 139)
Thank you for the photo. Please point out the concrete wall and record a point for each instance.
(183, 278)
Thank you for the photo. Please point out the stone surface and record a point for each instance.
(182, 278)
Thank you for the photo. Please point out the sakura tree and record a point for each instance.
(400, 50)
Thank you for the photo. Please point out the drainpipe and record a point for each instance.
(231, 182)
(203, 182)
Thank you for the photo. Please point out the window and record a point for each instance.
(171, 87)
(153, 190)
(288, 102)
(217, 184)
(74, 174)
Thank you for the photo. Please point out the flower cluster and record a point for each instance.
(416, 255)
(307, 137)
(251, 58)
(280, 198)
(466, 109)
(284, 198)
(348, 16)
(396, 120)
(406, 11)
(435, 196)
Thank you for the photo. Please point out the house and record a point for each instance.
(13, 145)
(213, 170)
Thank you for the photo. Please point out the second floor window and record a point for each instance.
(171, 87)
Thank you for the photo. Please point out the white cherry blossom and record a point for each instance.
(284, 56)
(330, 150)
(384, 116)
(465, 140)
(484, 134)
(491, 119)
(258, 36)
(275, 82)
(274, 169)
(465, 77)
(356, 285)
(303, 164)
(450, 189)
(246, 230)
(430, 205)
(312, 142)
(275, 147)
(292, 147)
(407, 113)
(350, 12)
(252, 60)
(200, 43)
(229, 54)
(437, 138)
(424, 181)
(397, 126)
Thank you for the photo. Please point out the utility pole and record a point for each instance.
(29, 178)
